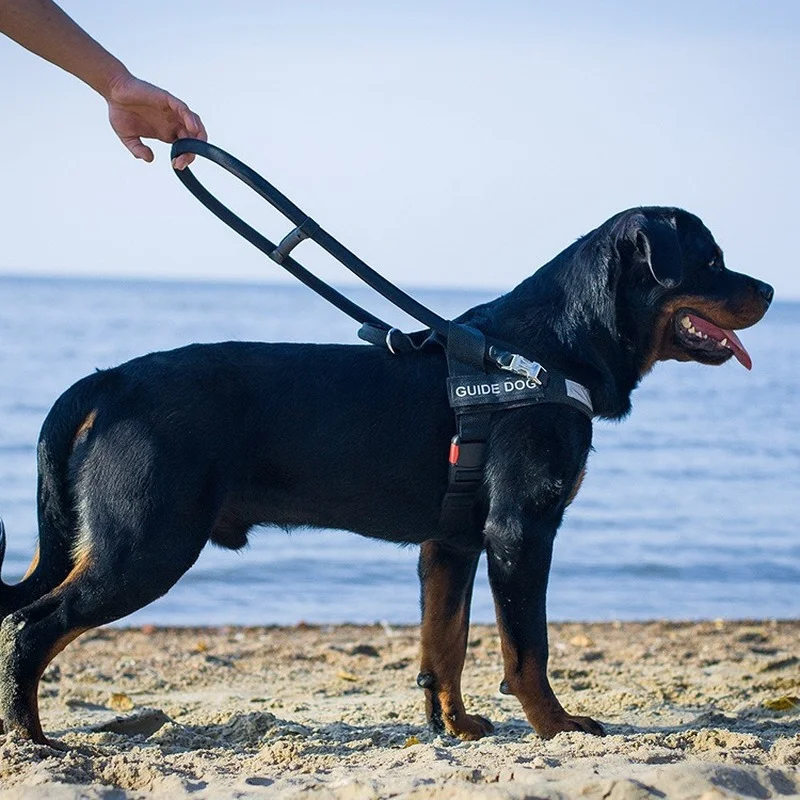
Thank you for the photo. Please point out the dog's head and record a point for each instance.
(648, 285)
(675, 297)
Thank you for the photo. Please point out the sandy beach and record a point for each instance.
(706, 710)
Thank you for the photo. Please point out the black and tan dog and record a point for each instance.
(141, 465)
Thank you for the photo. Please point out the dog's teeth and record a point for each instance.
(724, 342)
(691, 329)
(686, 322)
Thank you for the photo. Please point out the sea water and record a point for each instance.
(689, 509)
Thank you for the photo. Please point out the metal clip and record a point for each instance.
(389, 340)
(522, 366)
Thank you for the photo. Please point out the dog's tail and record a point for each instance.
(72, 416)
(2, 543)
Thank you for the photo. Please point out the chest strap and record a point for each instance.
(483, 379)
(475, 393)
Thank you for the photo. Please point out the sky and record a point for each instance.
(447, 144)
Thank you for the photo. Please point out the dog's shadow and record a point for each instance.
(241, 731)
(256, 730)
(765, 728)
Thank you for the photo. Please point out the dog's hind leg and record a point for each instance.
(62, 445)
(102, 587)
(447, 576)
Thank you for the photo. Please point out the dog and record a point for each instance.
(140, 466)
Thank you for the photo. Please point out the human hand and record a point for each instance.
(138, 109)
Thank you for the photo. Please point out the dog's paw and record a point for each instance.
(54, 744)
(570, 723)
(17, 736)
(469, 726)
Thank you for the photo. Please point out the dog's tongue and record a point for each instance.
(730, 339)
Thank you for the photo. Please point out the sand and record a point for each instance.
(706, 710)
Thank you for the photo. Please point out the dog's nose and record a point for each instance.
(766, 291)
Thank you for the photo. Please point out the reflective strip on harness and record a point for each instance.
(511, 391)
(491, 389)
(578, 392)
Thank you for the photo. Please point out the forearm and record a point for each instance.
(43, 28)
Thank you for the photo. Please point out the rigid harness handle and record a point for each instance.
(373, 329)
(269, 193)
(305, 228)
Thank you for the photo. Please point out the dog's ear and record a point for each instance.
(657, 248)
(657, 245)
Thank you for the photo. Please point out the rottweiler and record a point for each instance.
(140, 466)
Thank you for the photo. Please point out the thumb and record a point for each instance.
(138, 148)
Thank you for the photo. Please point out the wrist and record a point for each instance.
(108, 80)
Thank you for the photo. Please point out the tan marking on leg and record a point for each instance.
(443, 649)
(33, 695)
(59, 645)
(576, 487)
(527, 680)
(31, 690)
(34, 563)
(81, 561)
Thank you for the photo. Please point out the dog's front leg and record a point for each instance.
(446, 576)
(519, 552)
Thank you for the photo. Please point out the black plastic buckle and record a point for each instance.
(466, 461)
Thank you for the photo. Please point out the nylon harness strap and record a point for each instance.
(466, 349)
(475, 394)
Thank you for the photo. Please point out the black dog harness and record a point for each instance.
(484, 377)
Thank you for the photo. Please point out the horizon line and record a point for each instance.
(268, 283)
(244, 282)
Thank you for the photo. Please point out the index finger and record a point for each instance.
(193, 131)
(182, 160)
(192, 124)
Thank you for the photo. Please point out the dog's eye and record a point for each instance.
(715, 264)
